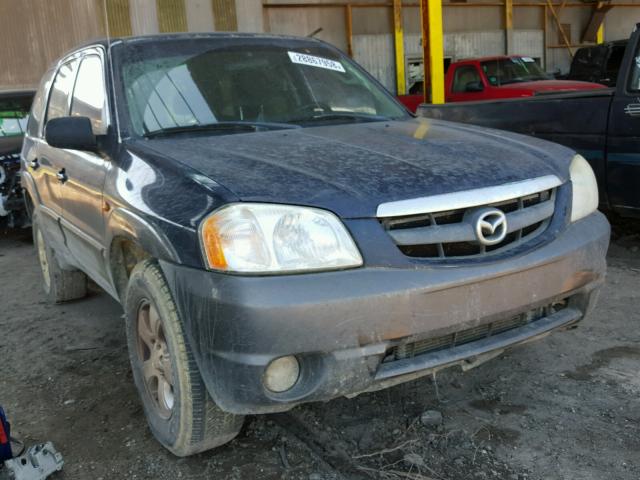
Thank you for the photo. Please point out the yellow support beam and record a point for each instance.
(433, 49)
(401, 83)
(508, 26)
(600, 34)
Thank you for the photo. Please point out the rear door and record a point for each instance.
(42, 162)
(84, 172)
(623, 143)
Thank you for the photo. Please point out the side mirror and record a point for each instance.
(72, 133)
(474, 87)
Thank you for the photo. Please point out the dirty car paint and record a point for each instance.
(350, 169)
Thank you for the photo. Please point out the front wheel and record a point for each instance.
(180, 412)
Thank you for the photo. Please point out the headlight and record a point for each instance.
(270, 238)
(585, 188)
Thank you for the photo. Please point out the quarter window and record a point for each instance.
(59, 97)
(463, 77)
(89, 94)
(38, 105)
(634, 80)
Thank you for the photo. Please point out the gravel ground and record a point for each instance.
(565, 407)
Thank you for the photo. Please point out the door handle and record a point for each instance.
(62, 176)
(34, 164)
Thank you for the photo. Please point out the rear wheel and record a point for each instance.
(180, 412)
(59, 285)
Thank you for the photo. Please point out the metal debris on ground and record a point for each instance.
(37, 463)
(431, 418)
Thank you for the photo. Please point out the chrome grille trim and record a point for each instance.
(452, 234)
(467, 198)
(464, 232)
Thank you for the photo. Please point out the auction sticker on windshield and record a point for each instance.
(313, 61)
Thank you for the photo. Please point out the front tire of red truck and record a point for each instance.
(181, 414)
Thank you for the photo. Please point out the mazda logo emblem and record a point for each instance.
(490, 226)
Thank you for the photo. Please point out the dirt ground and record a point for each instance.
(566, 407)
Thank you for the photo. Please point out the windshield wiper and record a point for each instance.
(358, 117)
(230, 127)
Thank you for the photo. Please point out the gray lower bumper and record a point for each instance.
(430, 361)
(341, 324)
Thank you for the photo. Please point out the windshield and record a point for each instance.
(177, 85)
(513, 70)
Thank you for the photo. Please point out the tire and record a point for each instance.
(181, 414)
(59, 285)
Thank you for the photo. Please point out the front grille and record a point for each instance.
(428, 345)
(452, 233)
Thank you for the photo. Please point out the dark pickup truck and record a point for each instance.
(598, 63)
(602, 125)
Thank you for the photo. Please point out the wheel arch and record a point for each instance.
(131, 240)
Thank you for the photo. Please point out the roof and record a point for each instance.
(164, 37)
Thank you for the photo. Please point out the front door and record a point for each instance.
(623, 144)
(84, 172)
(467, 84)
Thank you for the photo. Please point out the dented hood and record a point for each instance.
(351, 169)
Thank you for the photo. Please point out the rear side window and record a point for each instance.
(89, 94)
(62, 85)
(614, 62)
(37, 107)
(463, 76)
(634, 78)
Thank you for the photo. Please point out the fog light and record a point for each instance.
(282, 374)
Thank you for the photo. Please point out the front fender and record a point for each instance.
(27, 182)
(123, 223)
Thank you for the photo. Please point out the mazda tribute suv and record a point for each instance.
(279, 230)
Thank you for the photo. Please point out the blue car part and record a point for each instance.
(5, 438)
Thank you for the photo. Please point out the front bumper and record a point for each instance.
(341, 325)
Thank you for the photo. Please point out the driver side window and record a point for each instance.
(89, 93)
(463, 76)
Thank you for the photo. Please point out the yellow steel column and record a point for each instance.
(600, 33)
(508, 26)
(401, 84)
(433, 49)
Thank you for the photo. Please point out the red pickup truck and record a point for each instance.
(492, 78)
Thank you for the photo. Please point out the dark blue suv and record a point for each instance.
(280, 230)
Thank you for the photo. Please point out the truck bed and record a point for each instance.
(577, 113)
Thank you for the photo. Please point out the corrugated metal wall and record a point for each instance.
(376, 54)
(36, 32)
(119, 16)
(172, 16)
(224, 14)
(529, 42)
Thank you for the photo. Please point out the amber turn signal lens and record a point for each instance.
(212, 245)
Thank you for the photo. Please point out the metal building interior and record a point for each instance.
(414, 240)
(384, 36)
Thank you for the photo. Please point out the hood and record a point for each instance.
(351, 169)
(553, 86)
